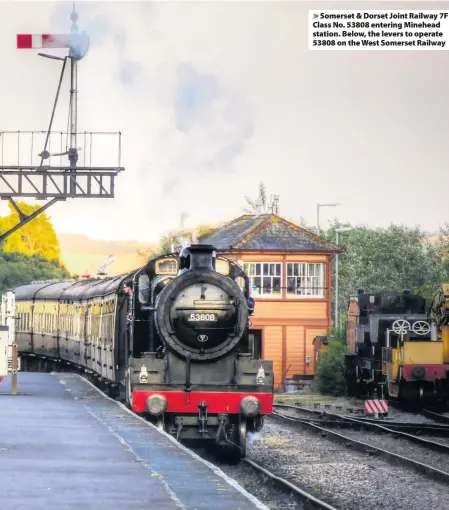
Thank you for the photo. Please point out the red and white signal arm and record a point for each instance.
(78, 43)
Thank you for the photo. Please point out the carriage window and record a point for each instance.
(144, 289)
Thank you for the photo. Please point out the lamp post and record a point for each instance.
(318, 213)
(337, 231)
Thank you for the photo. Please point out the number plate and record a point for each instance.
(202, 317)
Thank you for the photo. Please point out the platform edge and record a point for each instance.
(233, 483)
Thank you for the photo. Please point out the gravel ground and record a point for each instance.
(260, 486)
(346, 479)
(407, 416)
(395, 444)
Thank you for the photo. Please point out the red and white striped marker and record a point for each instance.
(78, 43)
(376, 406)
(33, 41)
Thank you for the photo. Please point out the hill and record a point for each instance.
(81, 254)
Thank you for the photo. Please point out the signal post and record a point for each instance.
(9, 354)
(23, 175)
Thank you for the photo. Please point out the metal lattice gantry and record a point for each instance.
(32, 162)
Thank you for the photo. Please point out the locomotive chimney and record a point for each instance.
(202, 257)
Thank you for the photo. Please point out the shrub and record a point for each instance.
(329, 376)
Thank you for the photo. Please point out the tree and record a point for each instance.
(17, 269)
(37, 237)
(442, 249)
(386, 260)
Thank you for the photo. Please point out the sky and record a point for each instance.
(213, 97)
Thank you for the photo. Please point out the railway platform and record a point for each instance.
(65, 445)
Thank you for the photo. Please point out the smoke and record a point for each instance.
(215, 119)
(204, 123)
(253, 436)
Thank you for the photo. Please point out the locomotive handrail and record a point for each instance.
(212, 302)
(178, 308)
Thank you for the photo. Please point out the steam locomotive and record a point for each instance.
(394, 350)
(170, 339)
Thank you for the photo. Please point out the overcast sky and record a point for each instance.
(213, 97)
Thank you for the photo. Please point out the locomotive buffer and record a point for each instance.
(58, 182)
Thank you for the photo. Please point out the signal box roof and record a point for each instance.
(266, 232)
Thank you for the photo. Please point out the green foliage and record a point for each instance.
(31, 253)
(337, 334)
(386, 260)
(17, 268)
(329, 376)
(442, 249)
(37, 237)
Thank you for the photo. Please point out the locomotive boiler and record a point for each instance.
(170, 338)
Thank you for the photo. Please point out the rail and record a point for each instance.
(434, 416)
(312, 501)
(390, 457)
(391, 430)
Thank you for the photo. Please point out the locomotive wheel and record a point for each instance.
(160, 423)
(128, 393)
(241, 438)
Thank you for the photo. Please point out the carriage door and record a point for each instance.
(141, 323)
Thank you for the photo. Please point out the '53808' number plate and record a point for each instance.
(193, 317)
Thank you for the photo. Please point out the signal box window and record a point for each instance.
(264, 278)
(305, 279)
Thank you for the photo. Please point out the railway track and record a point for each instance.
(307, 499)
(391, 457)
(335, 420)
(441, 418)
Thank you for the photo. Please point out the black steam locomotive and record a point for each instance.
(171, 338)
(392, 351)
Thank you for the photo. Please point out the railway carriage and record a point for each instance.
(171, 338)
